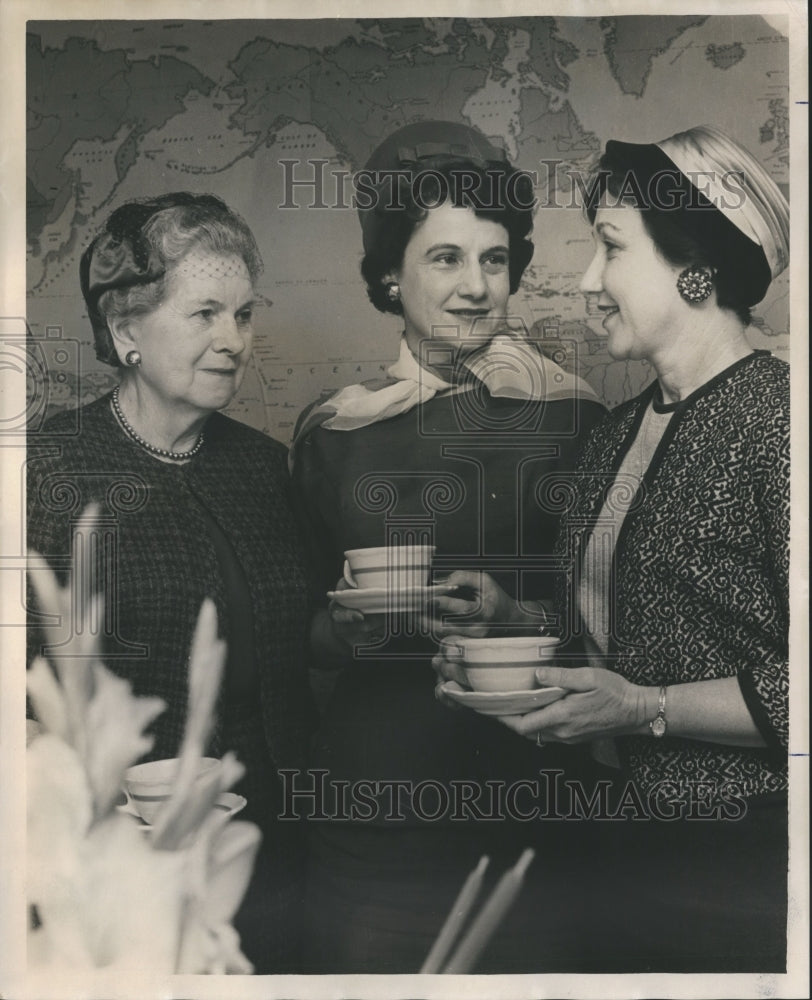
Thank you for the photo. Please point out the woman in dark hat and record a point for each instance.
(449, 449)
(192, 505)
(678, 592)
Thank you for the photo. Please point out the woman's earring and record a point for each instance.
(393, 291)
(695, 284)
(132, 359)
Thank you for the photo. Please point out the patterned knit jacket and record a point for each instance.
(700, 573)
(160, 562)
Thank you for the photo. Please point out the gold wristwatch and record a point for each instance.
(658, 725)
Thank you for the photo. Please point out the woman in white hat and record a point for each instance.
(676, 534)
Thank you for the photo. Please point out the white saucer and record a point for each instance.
(227, 802)
(127, 810)
(381, 600)
(503, 702)
(230, 803)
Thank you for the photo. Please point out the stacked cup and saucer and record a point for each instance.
(148, 787)
(501, 673)
(389, 579)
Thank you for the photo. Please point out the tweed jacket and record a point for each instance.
(159, 561)
(700, 576)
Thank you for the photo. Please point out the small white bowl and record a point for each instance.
(149, 785)
(395, 567)
(506, 663)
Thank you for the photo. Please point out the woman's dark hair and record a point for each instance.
(684, 226)
(497, 192)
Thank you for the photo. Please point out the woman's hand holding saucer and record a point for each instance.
(477, 603)
(599, 703)
(447, 663)
(352, 626)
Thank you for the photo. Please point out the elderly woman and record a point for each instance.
(676, 534)
(193, 504)
(448, 449)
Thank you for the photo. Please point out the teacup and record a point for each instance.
(395, 567)
(149, 785)
(506, 663)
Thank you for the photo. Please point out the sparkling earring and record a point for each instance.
(132, 359)
(393, 291)
(695, 284)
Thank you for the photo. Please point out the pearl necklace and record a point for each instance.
(175, 456)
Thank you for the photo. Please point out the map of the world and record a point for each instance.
(274, 116)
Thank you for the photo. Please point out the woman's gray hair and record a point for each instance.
(126, 269)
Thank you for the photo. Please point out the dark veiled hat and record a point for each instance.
(121, 257)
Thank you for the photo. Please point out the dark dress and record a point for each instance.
(466, 473)
(220, 526)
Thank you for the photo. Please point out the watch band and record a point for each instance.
(658, 724)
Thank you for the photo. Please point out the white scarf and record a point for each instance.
(508, 367)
